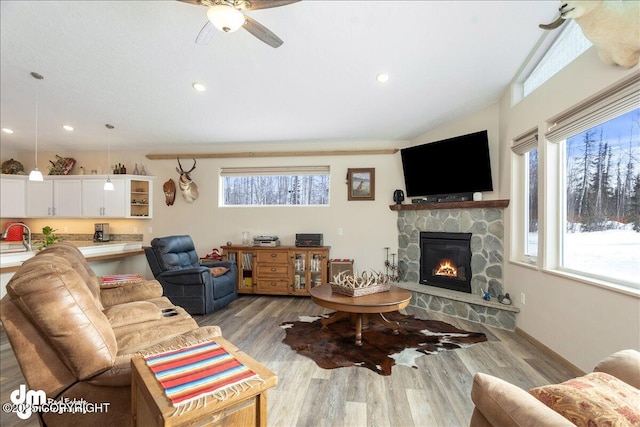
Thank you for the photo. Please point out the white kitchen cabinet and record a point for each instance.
(54, 197)
(13, 199)
(73, 196)
(98, 203)
(140, 197)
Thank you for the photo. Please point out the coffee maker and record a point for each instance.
(101, 233)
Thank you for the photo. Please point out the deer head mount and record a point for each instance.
(188, 188)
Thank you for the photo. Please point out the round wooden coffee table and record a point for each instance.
(358, 309)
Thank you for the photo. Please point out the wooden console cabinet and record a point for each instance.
(280, 270)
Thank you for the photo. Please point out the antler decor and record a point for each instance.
(360, 285)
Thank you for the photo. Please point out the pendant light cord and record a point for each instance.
(36, 126)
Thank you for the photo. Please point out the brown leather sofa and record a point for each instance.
(608, 396)
(74, 339)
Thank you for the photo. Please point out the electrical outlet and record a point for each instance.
(522, 298)
(340, 232)
(150, 230)
(135, 230)
(65, 229)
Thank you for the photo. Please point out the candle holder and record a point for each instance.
(391, 268)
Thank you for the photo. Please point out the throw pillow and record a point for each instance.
(218, 271)
(504, 404)
(594, 399)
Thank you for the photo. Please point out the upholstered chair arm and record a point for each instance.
(624, 365)
(197, 276)
(130, 292)
(226, 264)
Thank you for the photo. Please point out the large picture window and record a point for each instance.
(275, 186)
(601, 233)
(593, 216)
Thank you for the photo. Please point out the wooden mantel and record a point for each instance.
(451, 205)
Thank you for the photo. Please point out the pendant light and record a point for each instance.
(35, 174)
(108, 186)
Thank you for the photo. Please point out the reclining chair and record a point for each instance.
(74, 340)
(174, 262)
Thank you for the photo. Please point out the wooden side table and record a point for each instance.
(151, 407)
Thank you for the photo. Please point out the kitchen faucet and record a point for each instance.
(26, 243)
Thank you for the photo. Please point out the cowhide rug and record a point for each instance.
(334, 347)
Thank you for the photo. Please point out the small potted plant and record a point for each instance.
(49, 237)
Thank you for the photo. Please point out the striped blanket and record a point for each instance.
(114, 280)
(198, 371)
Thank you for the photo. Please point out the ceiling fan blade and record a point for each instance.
(196, 2)
(262, 32)
(266, 4)
(206, 33)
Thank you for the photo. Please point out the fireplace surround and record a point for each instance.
(484, 220)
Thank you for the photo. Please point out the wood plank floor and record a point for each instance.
(435, 394)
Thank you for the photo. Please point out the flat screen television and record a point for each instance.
(447, 167)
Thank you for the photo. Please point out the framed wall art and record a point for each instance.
(361, 184)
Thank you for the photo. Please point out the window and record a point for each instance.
(602, 200)
(570, 44)
(531, 208)
(599, 229)
(557, 49)
(275, 186)
(526, 226)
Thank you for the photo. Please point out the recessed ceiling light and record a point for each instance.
(382, 77)
(67, 127)
(199, 87)
(7, 130)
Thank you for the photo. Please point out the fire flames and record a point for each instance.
(446, 268)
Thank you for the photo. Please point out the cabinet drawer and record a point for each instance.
(277, 257)
(273, 286)
(272, 270)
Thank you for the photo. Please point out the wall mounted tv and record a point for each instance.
(451, 166)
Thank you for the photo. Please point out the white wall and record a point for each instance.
(580, 321)
(368, 226)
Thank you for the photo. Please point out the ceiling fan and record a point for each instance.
(227, 16)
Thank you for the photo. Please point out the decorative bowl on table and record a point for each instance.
(360, 285)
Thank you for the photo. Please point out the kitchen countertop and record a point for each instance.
(12, 254)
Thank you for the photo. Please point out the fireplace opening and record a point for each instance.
(445, 260)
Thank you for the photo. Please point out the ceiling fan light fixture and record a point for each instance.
(225, 18)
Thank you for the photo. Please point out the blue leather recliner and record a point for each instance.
(174, 263)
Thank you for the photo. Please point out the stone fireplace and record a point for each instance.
(487, 231)
(483, 222)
